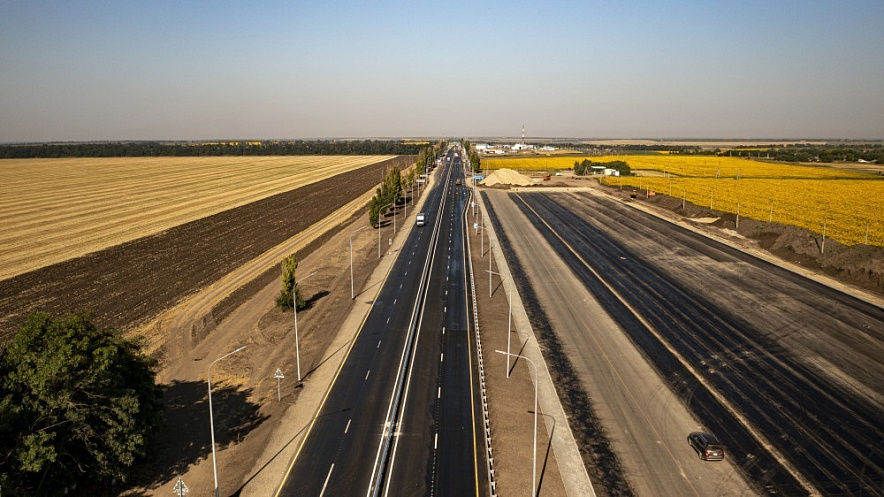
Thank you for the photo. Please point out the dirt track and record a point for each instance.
(128, 284)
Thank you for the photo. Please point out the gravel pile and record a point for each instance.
(507, 177)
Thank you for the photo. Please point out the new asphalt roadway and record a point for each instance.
(398, 419)
(785, 370)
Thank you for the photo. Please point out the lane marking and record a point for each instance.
(439, 393)
(379, 344)
(347, 428)
(442, 357)
(367, 374)
(326, 479)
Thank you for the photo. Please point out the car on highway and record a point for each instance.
(420, 218)
(707, 446)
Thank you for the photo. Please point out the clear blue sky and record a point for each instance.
(84, 70)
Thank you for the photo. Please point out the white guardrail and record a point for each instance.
(486, 421)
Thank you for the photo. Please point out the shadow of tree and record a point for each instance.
(185, 437)
(315, 298)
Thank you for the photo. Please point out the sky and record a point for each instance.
(200, 70)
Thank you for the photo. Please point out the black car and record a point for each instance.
(707, 446)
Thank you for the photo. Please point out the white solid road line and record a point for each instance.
(332, 468)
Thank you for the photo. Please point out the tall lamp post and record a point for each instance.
(509, 323)
(352, 294)
(295, 309)
(379, 225)
(534, 468)
(211, 418)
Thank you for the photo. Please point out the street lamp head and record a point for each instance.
(240, 348)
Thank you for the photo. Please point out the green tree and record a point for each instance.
(374, 212)
(289, 284)
(77, 406)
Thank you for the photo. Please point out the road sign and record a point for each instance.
(278, 375)
(180, 488)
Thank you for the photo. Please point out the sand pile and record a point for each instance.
(507, 177)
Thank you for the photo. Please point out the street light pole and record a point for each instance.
(211, 417)
(352, 294)
(295, 309)
(534, 468)
(509, 323)
(509, 329)
(490, 265)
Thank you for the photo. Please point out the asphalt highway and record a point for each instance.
(436, 451)
(431, 448)
(785, 370)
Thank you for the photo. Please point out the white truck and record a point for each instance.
(420, 219)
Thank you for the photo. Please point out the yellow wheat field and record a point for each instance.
(848, 206)
(848, 210)
(54, 209)
(680, 165)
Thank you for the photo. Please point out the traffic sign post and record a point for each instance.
(180, 488)
(278, 375)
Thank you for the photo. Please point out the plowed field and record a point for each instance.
(52, 210)
(128, 283)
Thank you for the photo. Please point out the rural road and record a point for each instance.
(344, 451)
(671, 332)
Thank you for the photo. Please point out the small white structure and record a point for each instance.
(612, 172)
(547, 148)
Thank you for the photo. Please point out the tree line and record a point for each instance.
(475, 162)
(196, 149)
(797, 152)
(585, 167)
(389, 192)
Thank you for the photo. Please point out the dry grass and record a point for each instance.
(52, 210)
